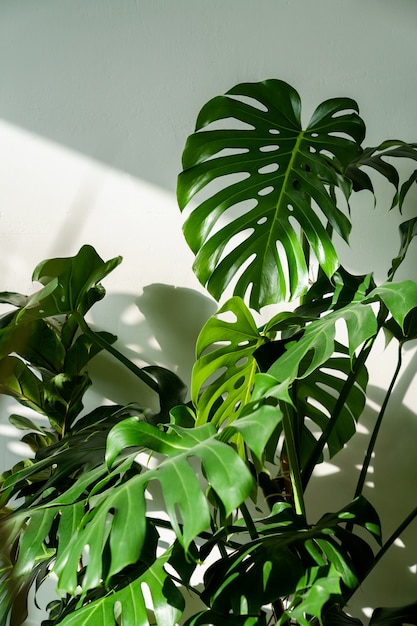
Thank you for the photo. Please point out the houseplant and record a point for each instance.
(265, 204)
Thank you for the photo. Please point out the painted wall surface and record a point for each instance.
(96, 100)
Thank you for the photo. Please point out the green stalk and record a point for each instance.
(371, 446)
(346, 389)
(384, 549)
(350, 381)
(293, 464)
(253, 533)
(137, 371)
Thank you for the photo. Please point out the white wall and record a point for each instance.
(96, 100)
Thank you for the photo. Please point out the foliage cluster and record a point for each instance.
(265, 203)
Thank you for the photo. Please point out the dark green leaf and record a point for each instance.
(316, 396)
(24, 423)
(289, 557)
(398, 616)
(269, 172)
(82, 351)
(334, 616)
(408, 230)
(217, 619)
(15, 299)
(63, 399)
(67, 283)
(171, 390)
(375, 158)
(18, 381)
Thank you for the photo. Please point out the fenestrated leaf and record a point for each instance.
(317, 587)
(290, 557)
(272, 168)
(317, 394)
(220, 462)
(375, 158)
(399, 298)
(225, 349)
(318, 341)
(129, 602)
(258, 421)
(116, 504)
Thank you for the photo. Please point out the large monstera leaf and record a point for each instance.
(276, 182)
(106, 508)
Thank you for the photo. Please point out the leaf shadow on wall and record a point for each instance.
(160, 327)
(390, 487)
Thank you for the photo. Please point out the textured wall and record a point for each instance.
(96, 100)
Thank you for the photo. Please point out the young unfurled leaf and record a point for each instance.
(224, 371)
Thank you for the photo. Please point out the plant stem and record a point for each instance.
(293, 464)
(350, 381)
(249, 522)
(306, 252)
(371, 446)
(384, 549)
(137, 371)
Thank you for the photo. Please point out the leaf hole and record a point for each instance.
(117, 611)
(315, 135)
(226, 152)
(266, 191)
(147, 596)
(228, 123)
(239, 382)
(250, 101)
(241, 362)
(262, 220)
(312, 149)
(296, 184)
(274, 131)
(269, 148)
(227, 316)
(340, 134)
(268, 169)
(343, 112)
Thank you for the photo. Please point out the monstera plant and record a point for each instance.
(266, 202)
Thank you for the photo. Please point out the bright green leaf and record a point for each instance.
(225, 349)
